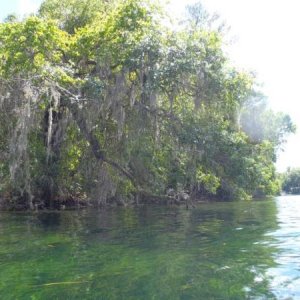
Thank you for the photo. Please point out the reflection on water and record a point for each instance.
(286, 276)
(246, 250)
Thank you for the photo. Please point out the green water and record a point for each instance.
(246, 250)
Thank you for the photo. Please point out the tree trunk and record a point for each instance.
(94, 143)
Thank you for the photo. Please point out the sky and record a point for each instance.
(266, 41)
(19, 7)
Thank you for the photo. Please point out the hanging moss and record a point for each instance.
(109, 103)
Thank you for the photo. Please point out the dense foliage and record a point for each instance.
(291, 181)
(103, 100)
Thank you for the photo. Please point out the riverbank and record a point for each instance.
(183, 199)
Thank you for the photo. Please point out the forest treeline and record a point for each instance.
(109, 101)
(291, 181)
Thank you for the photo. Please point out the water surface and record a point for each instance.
(238, 250)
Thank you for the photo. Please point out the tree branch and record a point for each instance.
(90, 137)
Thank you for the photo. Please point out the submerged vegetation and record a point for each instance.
(105, 101)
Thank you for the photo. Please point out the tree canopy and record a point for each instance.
(102, 100)
(291, 181)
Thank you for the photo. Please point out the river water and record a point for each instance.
(236, 250)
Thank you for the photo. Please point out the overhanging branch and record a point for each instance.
(90, 137)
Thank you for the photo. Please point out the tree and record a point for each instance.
(103, 101)
(291, 181)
